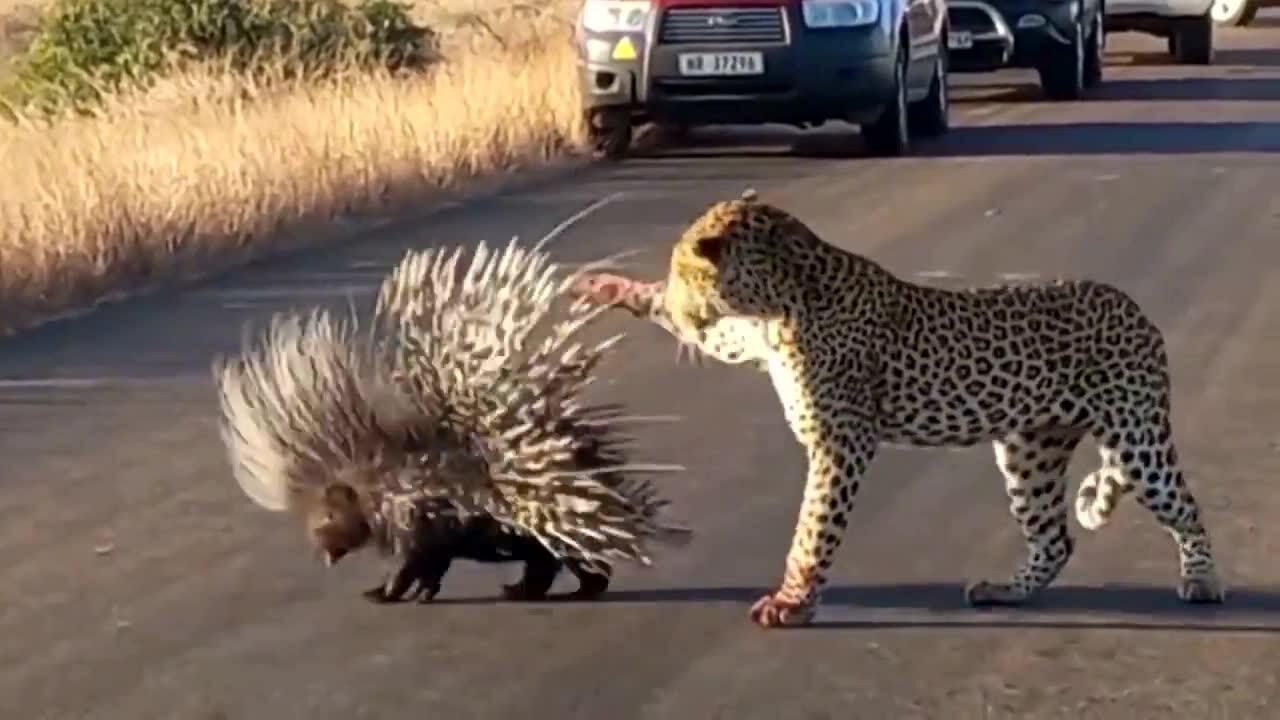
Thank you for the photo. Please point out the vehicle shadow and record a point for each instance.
(1131, 90)
(834, 141)
(1137, 90)
(1135, 607)
(1024, 139)
(1108, 138)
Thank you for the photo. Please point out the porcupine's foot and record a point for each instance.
(426, 571)
(773, 610)
(522, 592)
(379, 595)
(540, 572)
(591, 585)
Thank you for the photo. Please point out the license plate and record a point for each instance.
(960, 40)
(725, 63)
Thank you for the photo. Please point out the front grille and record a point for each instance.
(971, 19)
(685, 26)
(720, 86)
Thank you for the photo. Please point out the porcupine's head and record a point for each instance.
(305, 417)
(336, 523)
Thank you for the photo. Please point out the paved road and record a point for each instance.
(137, 582)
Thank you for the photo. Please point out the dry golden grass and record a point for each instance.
(204, 167)
(17, 24)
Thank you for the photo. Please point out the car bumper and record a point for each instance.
(811, 77)
(1008, 34)
(1124, 9)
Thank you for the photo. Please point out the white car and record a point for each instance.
(1186, 24)
(1238, 13)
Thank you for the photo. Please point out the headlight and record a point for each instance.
(840, 13)
(615, 15)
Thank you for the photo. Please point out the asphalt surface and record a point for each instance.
(137, 582)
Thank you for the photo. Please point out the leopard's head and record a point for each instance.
(735, 260)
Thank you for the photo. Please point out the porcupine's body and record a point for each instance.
(455, 429)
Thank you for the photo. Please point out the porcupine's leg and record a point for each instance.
(426, 568)
(540, 570)
(591, 585)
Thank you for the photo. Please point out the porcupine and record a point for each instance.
(446, 432)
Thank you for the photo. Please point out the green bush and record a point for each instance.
(84, 48)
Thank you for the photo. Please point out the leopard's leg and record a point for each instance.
(640, 298)
(838, 456)
(1034, 465)
(1138, 454)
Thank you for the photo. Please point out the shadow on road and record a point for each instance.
(1128, 607)
(1104, 138)
(1141, 90)
(1246, 609)
(1113, 138)
(1236, 89)
(1257, 57)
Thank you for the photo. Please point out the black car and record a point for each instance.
(880, 64)
(1062, 39)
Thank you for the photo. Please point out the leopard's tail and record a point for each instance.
(1098, 496)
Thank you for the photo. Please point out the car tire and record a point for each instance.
(1062, 75)
(890, 134)
(1192, 41)
(610, 136)
(1095, 52)
(931, 117)
(1233, 13)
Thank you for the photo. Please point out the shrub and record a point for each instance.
(84, 48)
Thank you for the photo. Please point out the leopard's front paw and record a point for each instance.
(1201, 590)
(989, 594)
(773, 610)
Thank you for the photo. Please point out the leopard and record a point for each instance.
(860, 358)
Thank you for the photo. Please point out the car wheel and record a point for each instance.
(610, 135)
(1233, 13)
(1062, 75)
(890, 134)
(1095, 53)
(1192, 41)
(931, 117)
